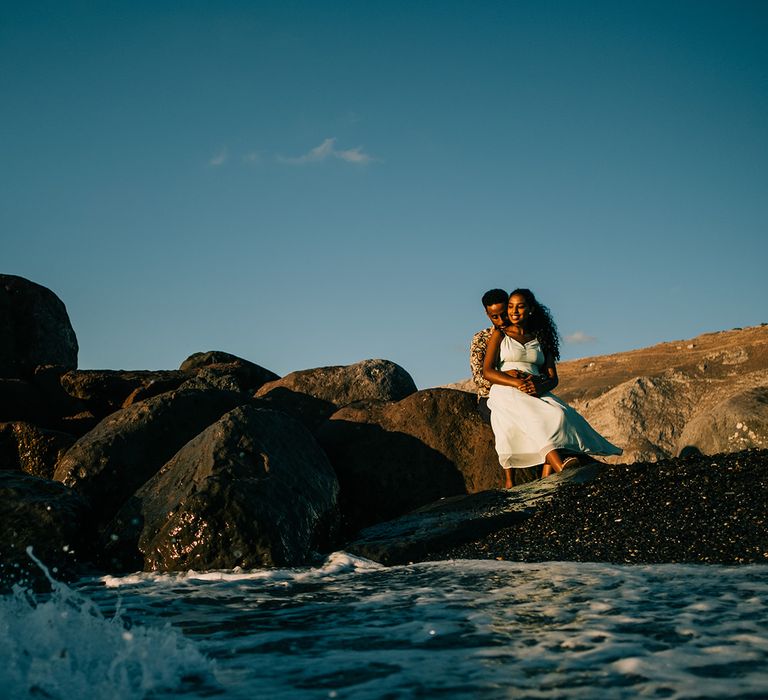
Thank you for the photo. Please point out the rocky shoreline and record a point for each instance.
(698, 509)
(221, 463)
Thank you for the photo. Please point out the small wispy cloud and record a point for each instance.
(580, 338)
(327, 149)
(252, 157)
(218, 158)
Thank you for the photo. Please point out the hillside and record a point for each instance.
(709, 393)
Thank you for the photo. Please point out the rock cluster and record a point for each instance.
(221, 463)
(217, 464)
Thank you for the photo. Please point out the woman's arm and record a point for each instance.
(494, 376)
(547, 380)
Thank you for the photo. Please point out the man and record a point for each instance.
(495, 304)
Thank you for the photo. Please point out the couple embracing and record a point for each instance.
(514, 366)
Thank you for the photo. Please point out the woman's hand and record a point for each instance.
(526, 385)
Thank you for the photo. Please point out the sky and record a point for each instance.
(316, 183)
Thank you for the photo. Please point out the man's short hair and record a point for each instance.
(495, 296)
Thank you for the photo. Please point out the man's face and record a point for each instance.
(498, 314)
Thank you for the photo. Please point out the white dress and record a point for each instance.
(527, 427)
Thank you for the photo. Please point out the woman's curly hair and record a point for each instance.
(541, 323)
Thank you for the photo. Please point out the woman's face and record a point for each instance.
(518, 310)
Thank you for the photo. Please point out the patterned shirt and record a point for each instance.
(476, 357)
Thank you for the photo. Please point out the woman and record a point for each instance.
(531, 425)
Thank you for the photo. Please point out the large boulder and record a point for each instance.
(221, 370)
(312, 395)
(43, 515)
(253, 489)
(34, 328)
(450, 522)
(32, 449)
(108, 464)
(392, 457)
(231, 376)
(738, 423)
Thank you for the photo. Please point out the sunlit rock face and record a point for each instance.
(253, 489)
(312, 395)
(109, 463)
(394, 456)
(740, 422)
(45, 515)
(34, 329)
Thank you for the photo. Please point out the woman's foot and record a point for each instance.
(570, 462)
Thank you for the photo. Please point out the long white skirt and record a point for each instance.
(526, 428)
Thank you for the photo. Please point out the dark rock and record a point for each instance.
(108, 464)
(154, 388)
(454, 521)
(312, 395)
(31, 449)
(34, 329)
(392, 457)
(46, 516)
(47, 380)
(738, 423)
(217, 357)
(239, 375)
(79, 424)
(105, 391)
(21, 400)
(699, 509)
(253, 489)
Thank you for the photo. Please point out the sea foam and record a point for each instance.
(61, 646)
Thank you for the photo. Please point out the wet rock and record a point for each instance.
(108, 464)
(392, 457)
(34, 329)
(738, 423)
(46, 516)
(312, 395)
(31, 449)
(253, 489)
(454, 521)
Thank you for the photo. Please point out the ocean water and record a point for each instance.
(353, 629)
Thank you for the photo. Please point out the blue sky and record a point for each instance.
(314, 183)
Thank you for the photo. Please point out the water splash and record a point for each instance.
(59, 645)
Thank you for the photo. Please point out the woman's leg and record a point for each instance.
(554, 461)
(508, 478)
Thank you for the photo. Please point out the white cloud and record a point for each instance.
(327, 149)
(218, 158)
(353, 155)
(580, 338)
(252, 157)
